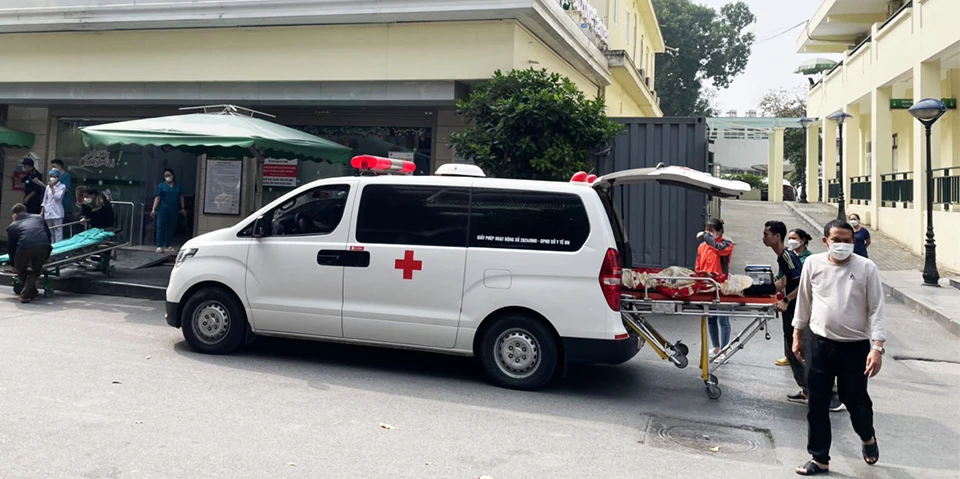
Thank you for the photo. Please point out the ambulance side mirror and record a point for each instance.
(259, 226)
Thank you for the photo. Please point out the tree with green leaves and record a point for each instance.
(789, 103)
(532, 124)
(704, 48)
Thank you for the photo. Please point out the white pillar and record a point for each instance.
(881, 137)
(926, 84)
(813, 158)
(829, 156)
(775, 167)
(851, 150)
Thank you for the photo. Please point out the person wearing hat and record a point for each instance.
(52, 207)
(33, 184)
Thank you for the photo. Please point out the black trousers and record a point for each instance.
(796, 367)
(829, 361)
(29, 264)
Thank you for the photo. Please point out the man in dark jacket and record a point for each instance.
(30, 246)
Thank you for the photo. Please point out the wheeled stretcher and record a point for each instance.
(637, 307)
(92, 249)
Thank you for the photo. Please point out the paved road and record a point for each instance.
(95, 387)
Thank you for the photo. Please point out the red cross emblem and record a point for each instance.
(408, 264)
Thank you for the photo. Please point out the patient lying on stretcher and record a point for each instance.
(689, 284)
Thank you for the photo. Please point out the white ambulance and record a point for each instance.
(524, 275)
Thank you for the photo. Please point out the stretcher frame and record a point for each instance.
(636, 307)
(106, 251)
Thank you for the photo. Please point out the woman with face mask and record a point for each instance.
(861, 237)
(797, 241)
(52, 207)
(713, 256)
(96, 210)
(168, 198)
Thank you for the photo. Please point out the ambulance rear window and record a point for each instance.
(531, 220)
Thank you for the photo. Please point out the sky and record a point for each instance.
(772, 62)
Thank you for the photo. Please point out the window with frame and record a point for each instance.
(316, 212)
(529, 220)
(414, 215)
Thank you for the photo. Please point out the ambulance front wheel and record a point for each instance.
(519, 352)
(213, 321)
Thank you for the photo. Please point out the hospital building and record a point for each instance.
(379, 77)
(893, 54)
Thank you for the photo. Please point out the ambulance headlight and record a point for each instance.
(184, 254)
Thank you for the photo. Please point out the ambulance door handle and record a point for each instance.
(328, 257)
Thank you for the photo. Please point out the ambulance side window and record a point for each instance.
(414, 215)
(530, 220)
(316, 212)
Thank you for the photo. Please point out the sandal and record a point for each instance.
(811, 469)
(871, 452)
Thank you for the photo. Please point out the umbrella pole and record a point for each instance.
(258, 175)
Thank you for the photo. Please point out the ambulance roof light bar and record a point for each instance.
(369, 164)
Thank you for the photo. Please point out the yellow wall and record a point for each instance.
(530, 52)
(379, 52)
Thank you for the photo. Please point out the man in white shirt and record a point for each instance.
(841, 299)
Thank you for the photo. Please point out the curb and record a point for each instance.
(103, 287)
(904, 297)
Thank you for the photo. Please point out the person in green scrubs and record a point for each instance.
(167, 202)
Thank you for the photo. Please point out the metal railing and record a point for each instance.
(946, 186)
(860, 190)
(123, 213)
(833, 190)
(896, 188)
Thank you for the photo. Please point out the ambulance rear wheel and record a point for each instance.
(213, 322)
(519, 352)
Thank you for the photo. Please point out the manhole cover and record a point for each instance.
(737, 443)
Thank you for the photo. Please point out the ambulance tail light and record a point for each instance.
(378, 164)
(611, 275)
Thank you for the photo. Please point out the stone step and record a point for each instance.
(955, 282)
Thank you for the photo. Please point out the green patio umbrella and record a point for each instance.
(15, 139)
(816, 65)
(224, 133)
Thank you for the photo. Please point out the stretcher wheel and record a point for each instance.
(680, 361)
(713, 391)
(681, 348)
(712, 380)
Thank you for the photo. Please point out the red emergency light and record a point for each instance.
(583, 177)
(379, 164)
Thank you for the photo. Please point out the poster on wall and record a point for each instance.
(221, 194)
(280, 172)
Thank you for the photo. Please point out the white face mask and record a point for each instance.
(168, 179)
(793, 244)
(53, 180)
(854, 223)
(841, 251)
(87, 201)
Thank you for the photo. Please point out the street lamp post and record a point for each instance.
(805, 122)
(840, 117)
(928, 111)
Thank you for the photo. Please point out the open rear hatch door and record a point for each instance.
(664, 175)
(675, 176)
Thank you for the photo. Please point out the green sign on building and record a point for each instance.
(906, 103)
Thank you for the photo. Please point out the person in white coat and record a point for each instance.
(52, 206)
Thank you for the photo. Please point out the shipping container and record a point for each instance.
(661, 222)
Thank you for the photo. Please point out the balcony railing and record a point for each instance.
(860, 190)
(833, 190)
(896, 188)
(946, 186)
